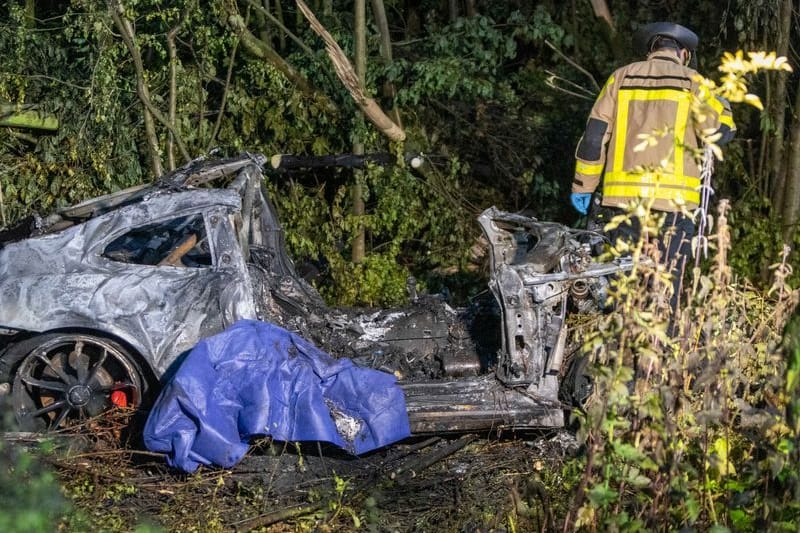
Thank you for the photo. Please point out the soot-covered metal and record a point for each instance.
(100, 300)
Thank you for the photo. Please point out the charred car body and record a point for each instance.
(100, 300)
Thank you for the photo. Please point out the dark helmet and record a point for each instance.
(645, 36)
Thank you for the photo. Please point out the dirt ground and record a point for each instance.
(459, 483)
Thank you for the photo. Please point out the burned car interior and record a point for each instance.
(179, 242)
(99, 300)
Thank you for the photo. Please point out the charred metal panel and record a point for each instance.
(476, 404)
(536, 269)
(523, 252)
(63, 280)
(263, 245)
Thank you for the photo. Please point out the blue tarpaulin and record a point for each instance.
(258, 379)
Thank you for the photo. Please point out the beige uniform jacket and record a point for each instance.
(647, 97)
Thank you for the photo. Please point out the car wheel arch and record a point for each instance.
(16, 350)
(86, 368)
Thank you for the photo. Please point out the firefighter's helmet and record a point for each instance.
(645, 37)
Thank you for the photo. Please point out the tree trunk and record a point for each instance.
(779, 81)
(283, 33)
(126, 30)
(172, 50)
(173, 97)
(389, 91)
(349, 78)
(413, 19)
(30, 13)
(223, 99)
(264, 31)
(470, 9)
(379, 12)
(791, 207)
(452, 10)
(360, 38)
(601, 10)
(151, 112)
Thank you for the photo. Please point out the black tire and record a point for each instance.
(578, 385)
(60, 379)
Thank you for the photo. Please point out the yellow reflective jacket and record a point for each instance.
(652, 97)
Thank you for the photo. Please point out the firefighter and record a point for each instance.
(650, 97)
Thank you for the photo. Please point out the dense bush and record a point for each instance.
(30, 496)
(697, 430)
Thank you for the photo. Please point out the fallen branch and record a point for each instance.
(574, 64)
(112, 477)
(553, 80)
(263, 50)
(349, 78)
(413, 467)
(258, 7)
(268, 519)
(287, 161)
(419, 446)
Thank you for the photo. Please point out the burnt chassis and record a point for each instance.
(79, 324)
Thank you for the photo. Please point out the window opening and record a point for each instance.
(180, 242)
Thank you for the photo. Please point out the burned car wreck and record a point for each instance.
(100, 300)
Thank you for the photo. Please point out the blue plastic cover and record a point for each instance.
(258, 379)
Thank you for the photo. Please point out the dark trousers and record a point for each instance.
(674, 242)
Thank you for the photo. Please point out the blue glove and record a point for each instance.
(580, 201)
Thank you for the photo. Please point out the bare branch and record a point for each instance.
(272, 18)
(263, 50)
(349, 78)
(218, 122)
(125, 28)
(55, 80)
(574, 64)
(553, 81)
(381, 21)
(173, 82)
(151, 111)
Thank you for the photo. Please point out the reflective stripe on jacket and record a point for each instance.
(653, 98)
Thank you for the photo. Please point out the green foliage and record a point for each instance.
(471, 91)
(465, 59)
(404, 219)
(90, 153)
(475, 89)
(756, 238)
(100, 146)
(30, 495)
(693, 430)
(755, 18)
